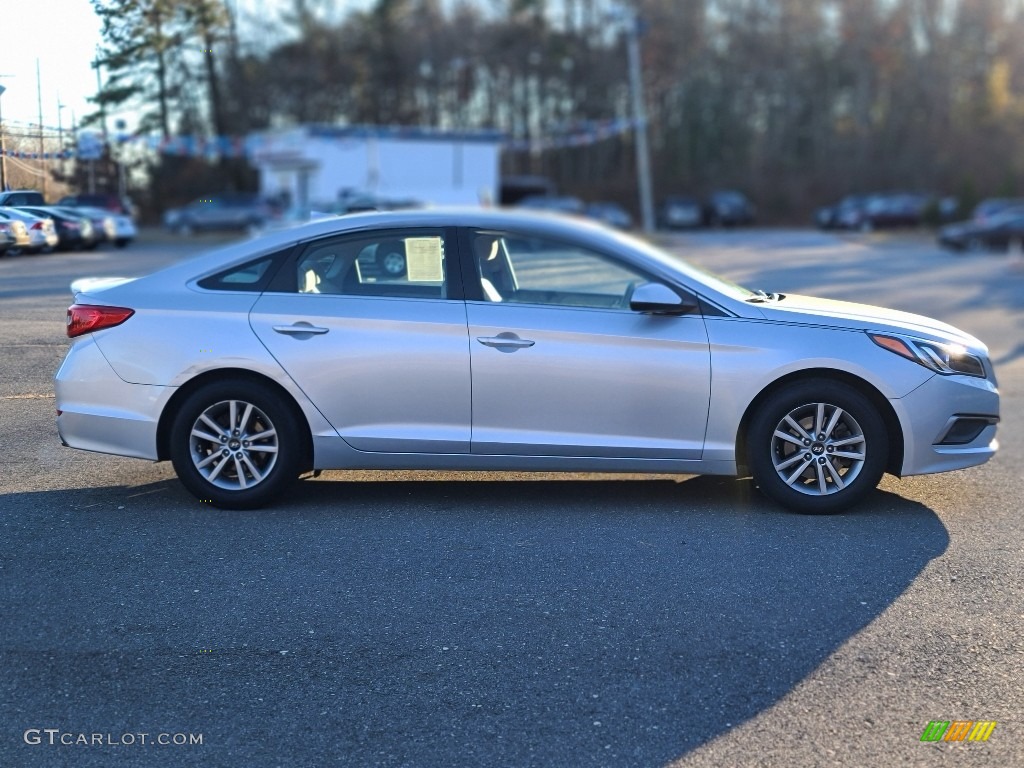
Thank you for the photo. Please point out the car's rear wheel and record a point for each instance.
(817, 447)
(236, 445)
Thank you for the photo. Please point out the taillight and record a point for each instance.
(84, 318)
(37, 225)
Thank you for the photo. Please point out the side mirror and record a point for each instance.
(659, 299)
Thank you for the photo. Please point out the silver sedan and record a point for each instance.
(508, 341)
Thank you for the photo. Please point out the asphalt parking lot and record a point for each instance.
(437, 619)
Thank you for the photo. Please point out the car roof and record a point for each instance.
(18, 213)
(539, 223)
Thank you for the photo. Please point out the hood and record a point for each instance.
(795, 308)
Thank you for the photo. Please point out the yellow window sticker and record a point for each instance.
(424, 259)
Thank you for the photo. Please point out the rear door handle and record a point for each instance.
(509, 342)
(297, 329)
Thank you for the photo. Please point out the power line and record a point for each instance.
(26, 167)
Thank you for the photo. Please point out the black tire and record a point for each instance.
(858, 418)
(279, 469)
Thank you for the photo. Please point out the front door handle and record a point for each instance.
(505, 342)
(300, 328)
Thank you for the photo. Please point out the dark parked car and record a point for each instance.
(16, 197)
(680, 212)
(832, 216)
(612, 214)
(880, 211)
(74, 230)
(7, 238)
(555, 203)
(220, 212)
(995, 233)
(995, 205)
(728, 208)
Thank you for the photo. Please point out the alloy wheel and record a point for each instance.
(233, 445)
(818, 449)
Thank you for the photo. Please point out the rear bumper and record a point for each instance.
(928, 414)
(98, 411)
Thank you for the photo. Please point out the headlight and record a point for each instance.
(946, 359)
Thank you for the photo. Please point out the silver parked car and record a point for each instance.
(511, 341)
(42, 232)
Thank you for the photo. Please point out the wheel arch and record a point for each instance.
(893, 428)
(163, 430)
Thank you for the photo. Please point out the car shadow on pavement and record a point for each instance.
(493, 622)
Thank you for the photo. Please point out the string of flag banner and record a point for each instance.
(90, 146)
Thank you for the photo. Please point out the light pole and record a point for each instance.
(60, 138)
(3, 149)
(643, 156)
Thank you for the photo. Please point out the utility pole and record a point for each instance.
(60, 137)
(643, 156)
(3, 149)
(42, 145)
(99, 95)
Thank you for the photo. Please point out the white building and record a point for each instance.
(314, 165)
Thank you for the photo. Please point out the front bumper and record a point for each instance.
(928, 415)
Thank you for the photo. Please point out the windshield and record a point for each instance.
(697, 273)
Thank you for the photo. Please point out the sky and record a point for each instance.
(62, 35)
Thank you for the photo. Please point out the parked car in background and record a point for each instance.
(74, 229)
(102, 222)
(41, 230)
(877, 210)
(728, 208)
(883, 210)
(993, 233)
(15, 231)
(109, 202)
(245, 212)
(116, 228)
(996, 205)
(16, 197)
(6, 237)
(612, 214)
(680, 212)
(554, 203)
(832, 216)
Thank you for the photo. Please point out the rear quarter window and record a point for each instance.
(253, 275)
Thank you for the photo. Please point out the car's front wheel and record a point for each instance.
(236, 445)
(817, 447)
